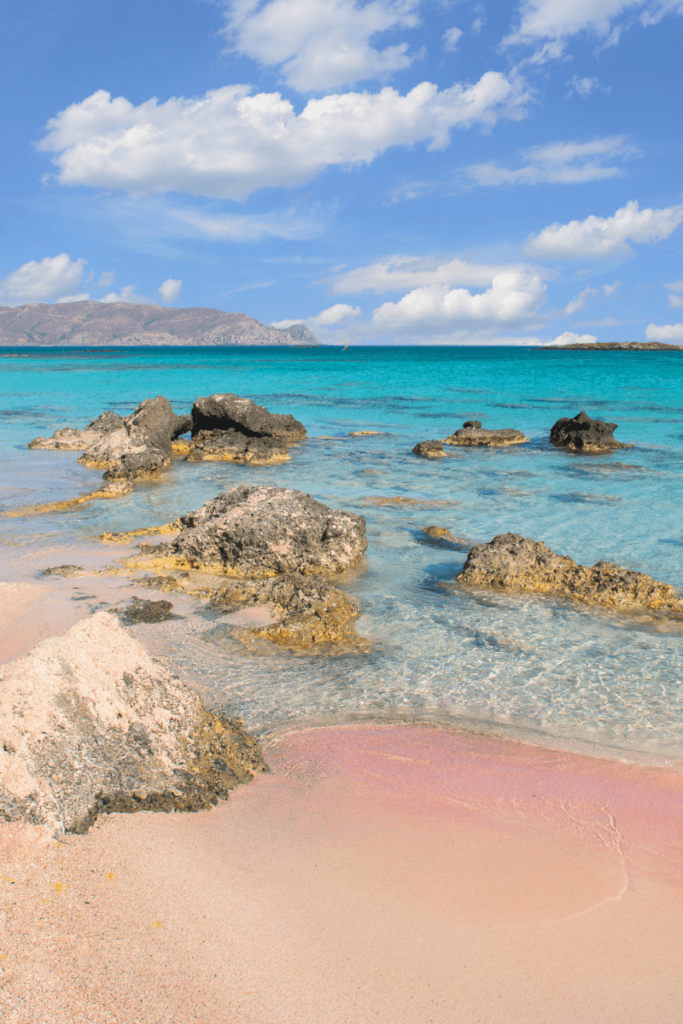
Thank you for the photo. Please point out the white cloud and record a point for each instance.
(451, 38)
(79, 297)
(54, 278)
(560, 19)
(290, 223)
(601, 237)
(569, 338)
(229, 143)
(106, 279)
(611, 289)
(512, 300)
(591, 292)
(565, 163)
(398, 273)
(170, 290)
(328, 318)
(478, 24)
(667, 332)
(321, 44)
(585, 86)
(676, 301)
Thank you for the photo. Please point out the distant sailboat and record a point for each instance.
(346, 345)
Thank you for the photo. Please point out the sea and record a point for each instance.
(545, 670)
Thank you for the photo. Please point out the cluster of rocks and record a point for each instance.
(470, 435)
(511, 562)
(280, 545)
(579, 434)
(222, 427)
(90, 724)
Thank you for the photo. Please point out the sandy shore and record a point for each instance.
(397, 875)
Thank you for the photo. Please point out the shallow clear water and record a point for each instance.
(556, 668)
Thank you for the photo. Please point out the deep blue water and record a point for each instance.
(552, 667)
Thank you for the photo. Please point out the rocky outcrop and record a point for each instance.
(583, 434)
(89, 723)
(514, 563)
(125, 323)
(230, 428)
(74, 440)
(308, 609)
(616, 346)
(429, 450)
(231, 412)
(141, 447)
(147, 611)
(473, 434)
(263, 531)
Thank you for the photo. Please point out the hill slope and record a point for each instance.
(125, 323)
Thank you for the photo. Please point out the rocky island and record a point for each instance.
(127, 323)
(616, 346)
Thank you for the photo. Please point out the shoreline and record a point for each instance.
(387, 874)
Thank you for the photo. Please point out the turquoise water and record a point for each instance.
(563, 672)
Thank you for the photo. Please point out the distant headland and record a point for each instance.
(617, 346)
(127, 323)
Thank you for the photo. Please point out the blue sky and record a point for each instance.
(391, 172)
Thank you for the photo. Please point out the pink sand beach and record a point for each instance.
(385, 874)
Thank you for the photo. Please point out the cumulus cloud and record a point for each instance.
(170, 290)
(665, 332)
(569, 338)
(675, 300)
(565, 163)
(512, 300)
(230, 142)
(451, 38)
(106, 279)
(606, 19)
(601, 237)
(591, 292)
(321, 44)
(398, 273)
(52, 279)
(127, 294)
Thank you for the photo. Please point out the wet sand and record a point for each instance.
(389, 874)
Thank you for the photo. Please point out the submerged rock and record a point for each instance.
(72, 439)
(309, 609)
(583, 434)
(232, 412)
(147, 611)
(231, 446)
(516, 563)
(89, 723)
(473, 434)
(263, 531)
(141, 447)
(429, 450)
(63, 570)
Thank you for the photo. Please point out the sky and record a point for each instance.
(391, 172)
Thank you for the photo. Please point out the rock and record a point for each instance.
(439, 536)
(231, 446)
(471, 433)
(309, 609)
(516, 563)
(147, 611)
(160, 582)
(231, 412)
(71, 439)
(141, 447)
(583, 434)
(89, 723)
(437, 531)
(429, 450)
(262, 531)
(63, 570)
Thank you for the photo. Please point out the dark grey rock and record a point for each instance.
(233, 446)
(471, 434)
(142, 446)
(472, 425)
(260, 531)
(63, 570)
(429, 450)
(147, 611)
(106, 422)
(231, 412)
(583, 434)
